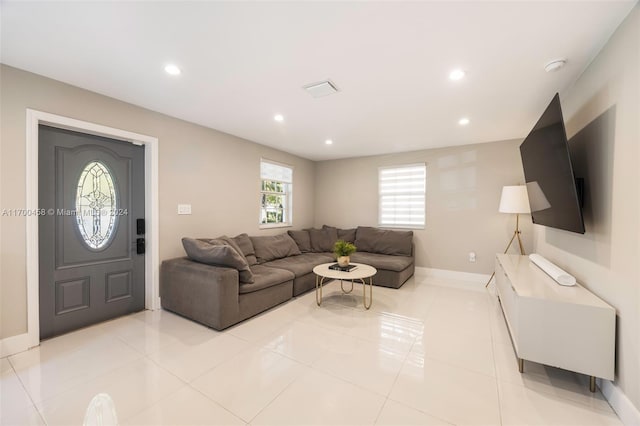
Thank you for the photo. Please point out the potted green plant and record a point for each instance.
(342, 250)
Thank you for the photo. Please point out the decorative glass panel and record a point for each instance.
(96, 205)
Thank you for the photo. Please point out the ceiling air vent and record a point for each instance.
(320, 89)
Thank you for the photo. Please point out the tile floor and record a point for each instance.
(434, 352)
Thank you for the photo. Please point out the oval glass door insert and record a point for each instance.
(96, 205)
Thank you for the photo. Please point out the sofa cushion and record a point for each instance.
(348, 235)
(218, 255)
(322, 240)
(302, 240)
(384, 241)
(383, 261)
(264, 277)
(245, 244)
(302, 264)
(271, 247)
(224, 240)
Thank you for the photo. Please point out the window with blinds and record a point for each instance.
(276, 181)
(401, 196)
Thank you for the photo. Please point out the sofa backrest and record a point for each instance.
(271, 247)
(322, 240)
(245, 244)
(384, 241)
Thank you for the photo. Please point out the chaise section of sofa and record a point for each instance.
(389, 251)
(393, 271)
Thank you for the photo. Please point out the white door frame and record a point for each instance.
(35, 118)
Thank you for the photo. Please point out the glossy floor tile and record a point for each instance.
(393, 413)
(46, 373)
(16, 406)
(184, 407)
(367, 365)
(309, 343)
(247, 383)
(133, 388)
(320, 399)
(525, 406)
(450, 393)
(434, 352)
(453, 348)
(198, 354)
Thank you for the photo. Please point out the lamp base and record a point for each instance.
(516, 234)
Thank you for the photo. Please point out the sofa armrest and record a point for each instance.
(205, 293)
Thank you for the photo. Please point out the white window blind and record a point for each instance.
(276, 182)
(401, 196)
(276, 172)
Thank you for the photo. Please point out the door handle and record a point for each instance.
(140, 246)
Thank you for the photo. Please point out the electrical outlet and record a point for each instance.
(184, 208)
(472, 256)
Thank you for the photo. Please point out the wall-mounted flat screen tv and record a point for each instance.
(551, 184)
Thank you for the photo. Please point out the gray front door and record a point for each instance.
(91, 195)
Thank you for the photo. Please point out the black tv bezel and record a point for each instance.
(576, 198)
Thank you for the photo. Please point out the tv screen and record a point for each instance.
(551, 185)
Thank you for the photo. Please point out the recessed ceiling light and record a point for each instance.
(464, 121)
(457, 74)
(172, 69)
(555, 65)
(278, 117)
(328, 142)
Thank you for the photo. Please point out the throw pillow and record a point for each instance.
(271, 247)
(246, 247)
(218, 255)
(302, 240)
(224, 240)
(322, 240)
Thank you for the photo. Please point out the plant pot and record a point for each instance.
(343, 261)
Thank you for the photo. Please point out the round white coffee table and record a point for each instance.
(360, 273)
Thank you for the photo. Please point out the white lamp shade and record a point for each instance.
(514, 199)
(537, 199)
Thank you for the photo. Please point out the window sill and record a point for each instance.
(386, 226)
(275, 225)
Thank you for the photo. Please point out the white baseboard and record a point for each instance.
(624, 408)
(14, 344)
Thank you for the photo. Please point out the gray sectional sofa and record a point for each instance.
(226, 280)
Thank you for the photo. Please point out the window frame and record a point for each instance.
(401, 225)
(287, 209)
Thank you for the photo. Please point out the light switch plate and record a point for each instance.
(184, 208)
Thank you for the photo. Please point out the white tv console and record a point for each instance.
(565, 327)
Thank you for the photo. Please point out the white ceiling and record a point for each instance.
(243, 62)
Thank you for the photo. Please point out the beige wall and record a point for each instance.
(602, 113)
(218, 174)
(463, 192)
